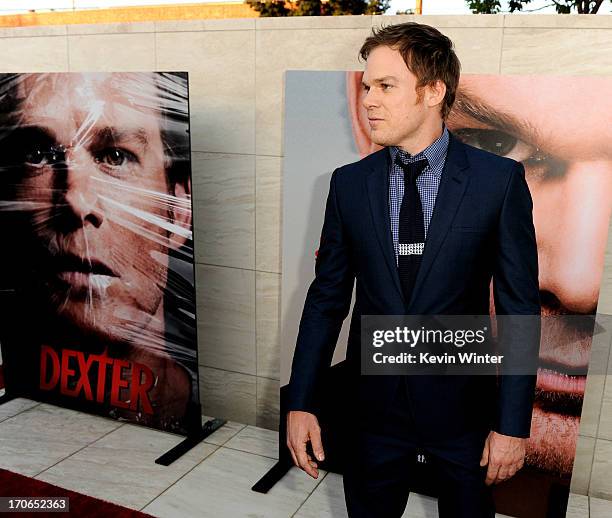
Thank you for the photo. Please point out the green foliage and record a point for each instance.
(309, 8)
(340, 7)
(580, 6)
(377, 6)
(319, 8)
(517, 5)
(561, 6)
(269, 7)
(484, 6)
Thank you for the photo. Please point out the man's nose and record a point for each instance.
(79, 191)
(370, 99)
(572, 218)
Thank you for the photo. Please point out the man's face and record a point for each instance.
(393, 110)
(558, 128)
(88, 177)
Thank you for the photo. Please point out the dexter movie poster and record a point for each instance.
(568, 167)
(97, 269)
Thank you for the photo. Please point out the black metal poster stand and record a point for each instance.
(199, 433)
(332, 420)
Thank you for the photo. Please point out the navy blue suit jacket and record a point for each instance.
(481, 228)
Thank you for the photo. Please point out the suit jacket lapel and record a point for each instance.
(452, 186)
(377, 187)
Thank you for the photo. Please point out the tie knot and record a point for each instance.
(412, 169)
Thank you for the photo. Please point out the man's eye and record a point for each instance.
(42, 155)
(365, 88)
(501, 143)
(117, 162)
(35, 157)
(386, 86)
(493, 141)
(113, 157)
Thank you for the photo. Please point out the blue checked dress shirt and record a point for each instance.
(427, 182)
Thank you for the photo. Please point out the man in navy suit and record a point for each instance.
(475, 216)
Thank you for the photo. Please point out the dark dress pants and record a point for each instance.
(381, 461)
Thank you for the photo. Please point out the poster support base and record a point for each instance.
(274, 474)
(191, 441)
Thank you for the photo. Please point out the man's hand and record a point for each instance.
(504, 454)
(301, 428)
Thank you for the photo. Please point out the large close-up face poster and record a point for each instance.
(557, 127)
(559, 135)
(96, 275)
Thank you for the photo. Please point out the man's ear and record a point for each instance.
(181, 213)
(359, 115)
(435, 93)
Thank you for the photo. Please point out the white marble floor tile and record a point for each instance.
(223, 434)
(578, 506)
(600, 485)
(600, 508)
(15, 406)
(36, 439)
(255, 440)
(326, 501)
(221, 487)
(120, 467)
(421, 506)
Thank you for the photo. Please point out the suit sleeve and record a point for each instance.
(327, 305)
(516, 294)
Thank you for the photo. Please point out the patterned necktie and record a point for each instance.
(411, 226)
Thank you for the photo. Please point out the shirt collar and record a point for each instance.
(434, 153)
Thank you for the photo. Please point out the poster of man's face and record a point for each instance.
(97, 271)
(557, 127)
